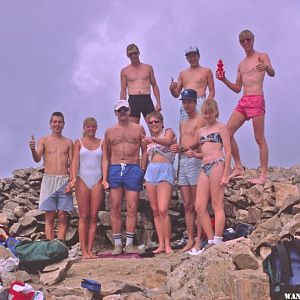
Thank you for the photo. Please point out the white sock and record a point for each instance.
(129, 238)
(117, 239)
(211, 241)
(218, 239)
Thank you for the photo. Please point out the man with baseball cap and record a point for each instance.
(123, 172)
(195, 77)
(136, 80)
(189, 167)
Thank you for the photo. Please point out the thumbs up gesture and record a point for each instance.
(261, 65)
(32, 143)
(173, 84)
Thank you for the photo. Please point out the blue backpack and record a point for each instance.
(283, 267)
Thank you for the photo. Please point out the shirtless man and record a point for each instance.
(189, 168)
(136, 79)
(55, 195)
(195, 77)
(123, 173)
(250, 77)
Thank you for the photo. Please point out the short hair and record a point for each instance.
(155, 114)
(210, 105)
(132, 47)
(57, 114)
(246, 32)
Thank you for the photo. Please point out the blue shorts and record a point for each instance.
(52, 195)
(158, 172)
(189, 169)
(127, 176)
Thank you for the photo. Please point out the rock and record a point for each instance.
(5, 253)
(283, 191)
(248, 284)
(56, 273)
(3, 219)
(245, 261)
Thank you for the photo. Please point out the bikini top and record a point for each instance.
(161, 149)
(213, 137)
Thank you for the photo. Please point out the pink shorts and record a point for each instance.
(251, 106)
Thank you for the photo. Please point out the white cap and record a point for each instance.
(191, 49)
(121, 103)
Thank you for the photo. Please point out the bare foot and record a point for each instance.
(158, 250)
(169, 251)
(91, 254)
(237, 172)
(260, 180)
(85, 255)
(187, 247)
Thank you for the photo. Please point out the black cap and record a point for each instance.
(188, 94)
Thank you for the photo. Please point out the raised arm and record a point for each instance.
(237, 86)
(123, 93)
(37, 154)
(176, 87)
(265, 65)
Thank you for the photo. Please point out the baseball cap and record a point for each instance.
(188, 94)
(121, 103)
(132, 48)
(191, 49)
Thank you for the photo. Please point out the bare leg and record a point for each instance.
(49, 224)
(152, 195)
(134, 120)
(96, 199)
(164, 193)
(202, 199)
(62, 218)
(259, 128)
(132, 198)
(217, 197)
(189, 212)
(116, 195)
(235, 122)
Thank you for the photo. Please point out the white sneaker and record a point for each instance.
(194, 251)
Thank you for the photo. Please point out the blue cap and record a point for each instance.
(188, 94)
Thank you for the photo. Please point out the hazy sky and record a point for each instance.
(67, 55)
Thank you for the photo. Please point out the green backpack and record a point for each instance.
(36, 255)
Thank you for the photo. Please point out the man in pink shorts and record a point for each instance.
(250, 77)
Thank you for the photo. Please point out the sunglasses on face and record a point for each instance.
(248, 40)
(122, 109)
(154, 122)
(133, 53)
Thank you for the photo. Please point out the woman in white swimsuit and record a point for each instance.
(87, 180)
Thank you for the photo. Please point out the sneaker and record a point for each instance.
(194, 251)
(117, 250)
(130, 249)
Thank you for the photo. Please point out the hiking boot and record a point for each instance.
(117, 250)
(130, 249)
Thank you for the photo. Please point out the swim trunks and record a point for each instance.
(90, 165)
(189, 169)
(52, 195)
(128, 176)
(184, 115)
(140, 104)
(158, 172)
(251, 106)
(208, 167)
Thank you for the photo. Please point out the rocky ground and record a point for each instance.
(231, 270)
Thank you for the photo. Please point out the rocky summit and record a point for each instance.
(231, 270)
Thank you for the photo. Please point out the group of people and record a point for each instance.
(127, 157)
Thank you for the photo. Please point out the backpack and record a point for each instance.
(36, 255)
(283, 267)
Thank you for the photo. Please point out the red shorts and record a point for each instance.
(251, 106)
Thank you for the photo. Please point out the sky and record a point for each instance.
(66, 55)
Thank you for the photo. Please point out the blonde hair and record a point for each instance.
(246, 33)
(155, 114)
(210, 105)
(87, 121)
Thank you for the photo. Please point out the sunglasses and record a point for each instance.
(133, 53)
(248, 40)
(122, 109)
(154, 122)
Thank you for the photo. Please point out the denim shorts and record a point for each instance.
(158, 172)
(52, 195)
(189, 169)
(127, 176)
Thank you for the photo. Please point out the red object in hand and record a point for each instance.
(220, 69)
